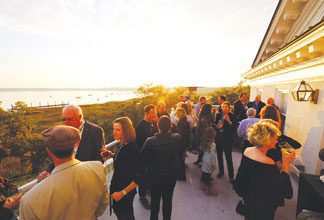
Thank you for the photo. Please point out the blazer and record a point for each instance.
(74, 190)
(239, 110)
(228, 132)
(144, 130)
(92, 140)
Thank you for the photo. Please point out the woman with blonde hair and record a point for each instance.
(259, 181)
(126, 162)
(191, 111)
(183, 128)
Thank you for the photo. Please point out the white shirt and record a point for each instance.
(74, 190)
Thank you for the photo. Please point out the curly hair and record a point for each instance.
(207, 138)
(262, 132)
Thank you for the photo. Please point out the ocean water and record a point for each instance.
(43, 97)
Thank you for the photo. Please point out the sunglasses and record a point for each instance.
(66, 119)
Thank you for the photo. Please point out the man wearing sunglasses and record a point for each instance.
(92, 136)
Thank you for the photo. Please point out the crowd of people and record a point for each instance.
(151, 158)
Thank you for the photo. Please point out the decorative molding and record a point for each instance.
(306, 48)
(291, 18)
(302, 22)
(281, 75)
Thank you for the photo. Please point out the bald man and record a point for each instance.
(257, 104)
(92, 136)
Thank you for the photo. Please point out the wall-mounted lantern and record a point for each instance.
(304, 92)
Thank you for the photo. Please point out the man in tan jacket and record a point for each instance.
(74, 190)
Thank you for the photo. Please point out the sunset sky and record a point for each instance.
(112, 43)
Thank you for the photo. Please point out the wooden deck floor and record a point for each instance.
(191, 203)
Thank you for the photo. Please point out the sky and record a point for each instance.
(128, 43)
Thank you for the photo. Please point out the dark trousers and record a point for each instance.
(125, 215)
(164, 191)
(225, 146)
(142, 187)
(142, 191)
(181, 156)
(124, 208)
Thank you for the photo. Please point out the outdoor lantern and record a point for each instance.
(304, 92)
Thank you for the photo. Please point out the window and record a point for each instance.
(281, 100)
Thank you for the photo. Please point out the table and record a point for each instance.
(310, 193)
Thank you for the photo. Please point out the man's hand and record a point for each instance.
(13, 203)
(117, 196)
(42, 176)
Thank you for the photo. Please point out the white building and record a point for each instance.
(292, 50)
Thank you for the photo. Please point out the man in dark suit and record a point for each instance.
(240, 107)
(92, 136)
(257, 104)
(145, 128)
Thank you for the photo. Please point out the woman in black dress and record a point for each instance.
(126, 162)
(259, 181)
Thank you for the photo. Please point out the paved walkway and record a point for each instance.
(191, 203)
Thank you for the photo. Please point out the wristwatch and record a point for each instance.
(124, 192)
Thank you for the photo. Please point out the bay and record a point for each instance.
(44, 97)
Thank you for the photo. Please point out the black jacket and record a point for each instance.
(92, 141)
(144, 130)
(159, 157)
(239, 110)
(126, 163)
(228, 132)
(183, 128)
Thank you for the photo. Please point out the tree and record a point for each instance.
(20, 105)
(231, 93)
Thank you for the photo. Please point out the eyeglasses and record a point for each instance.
(66, 119)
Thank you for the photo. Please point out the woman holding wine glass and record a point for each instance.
(126, 162)
(259, 181)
